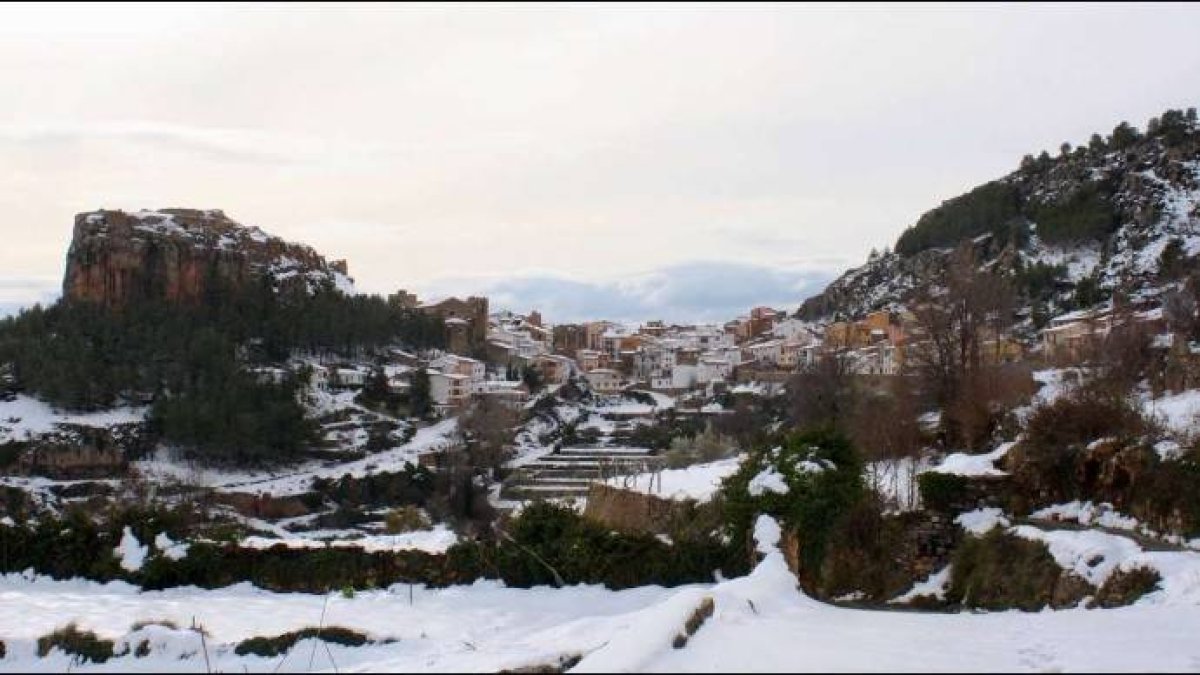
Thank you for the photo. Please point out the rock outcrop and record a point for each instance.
(178, 255)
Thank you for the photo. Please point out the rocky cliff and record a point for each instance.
(177, 255)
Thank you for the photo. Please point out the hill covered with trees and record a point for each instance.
(1117, 211)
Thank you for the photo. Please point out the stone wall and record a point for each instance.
(630, 511)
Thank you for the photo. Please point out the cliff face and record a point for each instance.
(117, 258)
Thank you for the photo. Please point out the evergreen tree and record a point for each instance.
(419, 401)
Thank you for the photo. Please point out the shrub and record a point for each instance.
(942, 491)
(83, 644)
(1125, 587)
(815, 501)
(405, 519)
(1058, 433)
(1002, 571)
(548, 543)
(274, 646)
(863, 554)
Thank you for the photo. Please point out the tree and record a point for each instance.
(961, 313)
(1123, 136)
(822, 394)
(532, 378)
(375, 389)
(420, 404)
(487, 429)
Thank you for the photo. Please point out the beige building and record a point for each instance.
(605, 381)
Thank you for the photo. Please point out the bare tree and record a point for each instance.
(963, 313)
(822, 393)
(487, 428)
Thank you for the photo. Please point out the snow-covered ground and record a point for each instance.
(434, 540)
(1179, 413)
(297, 480)
(25, 416)
(699, 481)
(963, 464)
(760, 622)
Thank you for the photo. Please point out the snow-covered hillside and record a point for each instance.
(1116, 214)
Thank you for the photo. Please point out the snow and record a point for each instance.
(1079, 262)
(169, 548)
(1180, 413)
(895, 480)
(344, 284)
(768, 480)
(1089, 554)
(1087, 513)
(963, 464)
(760, 622)
(767, 535)
(484, 626)
(130, 551)
(298, 480)
(436, 540)
(981, 521)
(25, 417)
(934, 585)
(699, 481)
(1168, 450)
(1055, 382)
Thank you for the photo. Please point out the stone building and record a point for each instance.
(466, 323)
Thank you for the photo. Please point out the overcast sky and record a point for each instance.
(626, 161)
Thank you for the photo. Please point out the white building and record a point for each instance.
(713, 370)
(605, 380)
(473, 369)
(448, 390)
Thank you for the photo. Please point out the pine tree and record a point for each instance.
(419, 401)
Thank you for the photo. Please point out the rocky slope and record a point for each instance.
(177, 255)
(1120, 212)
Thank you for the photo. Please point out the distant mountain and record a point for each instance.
(179, 255)
(1121, 211)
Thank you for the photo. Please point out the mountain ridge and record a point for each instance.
(1121, 212)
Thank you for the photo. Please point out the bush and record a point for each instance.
(863, 554)
(942, 491)
(83, 644)
(1002, 571)
(815, 501)
(405, 519)
(548, 540)
(274, 646)
(1125, 587)
(1056, 435)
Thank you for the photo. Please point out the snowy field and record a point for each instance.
(25, 416)
(699, 481)
(760, 623)
(298, 480)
